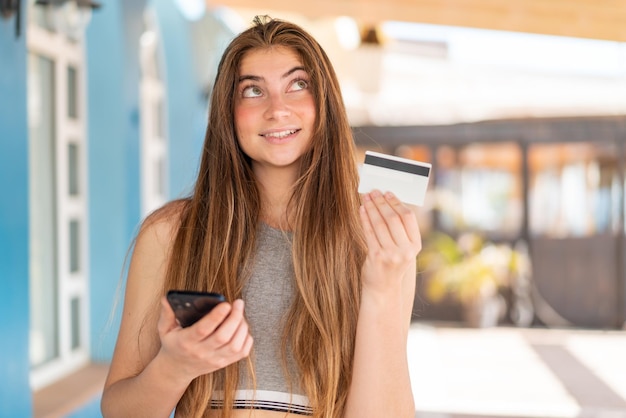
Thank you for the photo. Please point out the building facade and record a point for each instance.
(102, 121)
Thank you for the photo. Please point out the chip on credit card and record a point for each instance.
(407, 179)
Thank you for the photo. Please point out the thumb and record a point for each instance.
(167, 320)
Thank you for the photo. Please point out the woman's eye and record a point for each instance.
(251, 91)
(300, 85)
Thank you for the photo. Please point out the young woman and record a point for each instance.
(275, 221)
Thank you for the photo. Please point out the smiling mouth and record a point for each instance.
(281, 134)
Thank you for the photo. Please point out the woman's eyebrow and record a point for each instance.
(293, 70)
(245, 77)
(250, 77)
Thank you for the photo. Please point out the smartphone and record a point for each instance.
(190, 306)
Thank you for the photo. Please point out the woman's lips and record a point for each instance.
(277, 137)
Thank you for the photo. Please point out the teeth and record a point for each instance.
(280, 134)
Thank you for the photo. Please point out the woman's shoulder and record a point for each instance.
(164, 222)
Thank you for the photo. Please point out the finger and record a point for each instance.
(408, 214)
(247, 347)
(373, 203)
(238, 340)
(167, 319)
(403, 222)
(209, 323)
(368, 229)
(226, 330)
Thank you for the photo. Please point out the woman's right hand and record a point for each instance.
(155, 359)
(218, 339)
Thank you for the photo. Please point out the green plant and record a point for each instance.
(467, 268)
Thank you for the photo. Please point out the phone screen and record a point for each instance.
(190, 306)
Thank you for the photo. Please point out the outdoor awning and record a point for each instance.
(605, 19)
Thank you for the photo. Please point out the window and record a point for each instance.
(479, 187)
(154, 144)
(58, 204)
(574, 189)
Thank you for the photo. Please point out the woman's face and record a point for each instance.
(274, 108)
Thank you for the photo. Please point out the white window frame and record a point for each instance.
(64, 53)
(154, 145)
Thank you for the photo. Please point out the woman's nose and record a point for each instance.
(276, 107)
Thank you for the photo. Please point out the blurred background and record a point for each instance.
(520, 106)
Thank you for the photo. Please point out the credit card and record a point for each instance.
(407, 179)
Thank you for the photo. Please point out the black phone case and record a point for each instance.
(190, 306)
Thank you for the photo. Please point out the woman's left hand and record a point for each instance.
(393, 241)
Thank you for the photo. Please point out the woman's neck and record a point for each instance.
(275, 188)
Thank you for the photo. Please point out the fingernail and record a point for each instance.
(389, 195)
(376, 193)
(367, 197)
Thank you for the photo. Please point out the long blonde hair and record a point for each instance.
(218, 224)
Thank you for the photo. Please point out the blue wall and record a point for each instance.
(114, 199)
(184, 68)
(114, 135)
(114, 140)
(15, 395)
